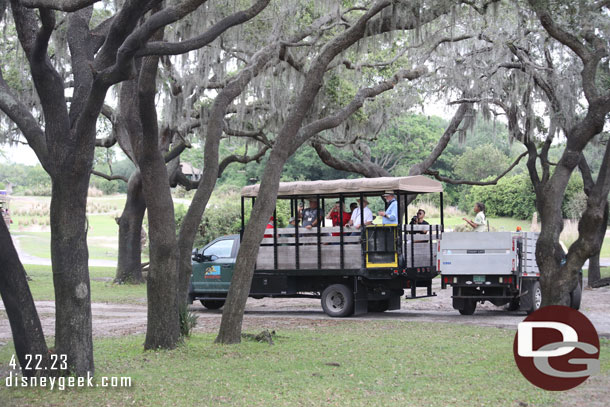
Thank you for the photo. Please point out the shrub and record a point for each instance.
(512, 196)
(188, 321)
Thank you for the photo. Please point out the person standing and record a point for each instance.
(479, 224)
(390, 215)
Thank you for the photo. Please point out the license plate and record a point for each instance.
(479, 279)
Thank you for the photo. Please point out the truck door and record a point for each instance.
(214, 273)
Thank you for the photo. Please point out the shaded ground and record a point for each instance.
(277, 313)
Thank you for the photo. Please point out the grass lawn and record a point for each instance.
(604, 271)
(38, 244)
(102, 288)
(351, 363)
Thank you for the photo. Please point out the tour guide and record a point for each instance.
(390, 215)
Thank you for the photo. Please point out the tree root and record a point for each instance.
(600, 283)
(264, 336)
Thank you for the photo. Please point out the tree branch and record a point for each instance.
(439, 177)
(59, 5)
(356, 103)
(25, 121)
(109, 177)
(244, 159)
(176, 151)
(365, 168)
(167, 48)
(423, 166)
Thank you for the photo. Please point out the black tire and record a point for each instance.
(469, 306)
(378, 305)
(576, 297)
(213, 304)
(513, 305)
(338, 301)
(535, 294)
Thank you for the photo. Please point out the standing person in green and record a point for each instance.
(479, 224)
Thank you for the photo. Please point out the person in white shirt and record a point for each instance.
(479, 224)
(355, 220)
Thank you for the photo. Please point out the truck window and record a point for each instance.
(222, 248)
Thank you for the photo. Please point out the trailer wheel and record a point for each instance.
(470, 305)
(213, 304)
(576, 297)
(378, 305)
(338, 301)
(535, 297)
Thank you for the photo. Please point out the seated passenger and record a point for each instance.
(479, 224)
(419, 220)
(335, 216)
(355, 220)
(311, 216)
(269, 226)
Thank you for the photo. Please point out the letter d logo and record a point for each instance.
(556, 348)
(525, 332)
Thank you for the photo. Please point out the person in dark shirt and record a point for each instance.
(311, 216)
(419, 220)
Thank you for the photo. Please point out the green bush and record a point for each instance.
(574, 201)
(512, 196)
(223, 216)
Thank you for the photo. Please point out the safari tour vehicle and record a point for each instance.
(351, 272)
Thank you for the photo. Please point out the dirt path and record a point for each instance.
(278, 313)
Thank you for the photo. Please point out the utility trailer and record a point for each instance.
(499, 267)
(351, 272)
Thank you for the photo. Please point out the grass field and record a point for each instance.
(604, 271)
(348, 364)
(31, 224)
(102, 288)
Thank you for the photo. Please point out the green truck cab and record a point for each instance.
(212, 271)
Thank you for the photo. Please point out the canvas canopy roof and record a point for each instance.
(413, 184)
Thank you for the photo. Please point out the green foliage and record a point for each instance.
(408, 140)
(188, 321)
(26, 179)
(481, 162)
(574, 200)
(513, 197)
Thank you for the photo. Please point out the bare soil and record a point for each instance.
(277, 313)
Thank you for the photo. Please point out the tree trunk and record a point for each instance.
(233, 312)
(129, 268)
(214, 131)
(549, 253)
(69, 255)
(594, 273)
(163, 330)
(28, 337)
